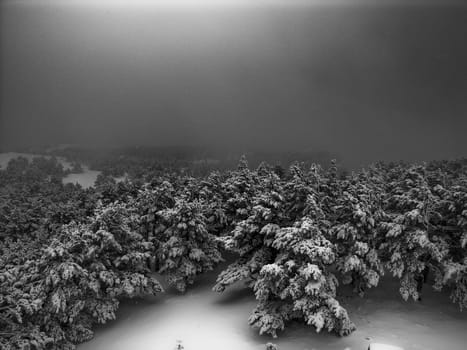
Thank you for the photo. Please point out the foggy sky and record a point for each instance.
(365, 81)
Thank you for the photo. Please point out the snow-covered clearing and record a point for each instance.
(205, 320)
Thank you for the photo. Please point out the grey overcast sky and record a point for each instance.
(367, 80)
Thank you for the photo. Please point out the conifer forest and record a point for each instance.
(293, 237)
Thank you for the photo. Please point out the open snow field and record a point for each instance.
(86, 179)
(205, 320)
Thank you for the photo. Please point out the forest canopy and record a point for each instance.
(69, 255)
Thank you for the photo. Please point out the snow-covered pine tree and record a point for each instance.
(185, 248)
(54, 301)
(355, 218)
(239, 189)
(152, 198)
(451, 227)
(212, 195)
(247, 238)
(299, 284)
(411, 244)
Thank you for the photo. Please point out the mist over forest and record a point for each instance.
(359, 81)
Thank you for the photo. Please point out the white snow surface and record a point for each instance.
(205, 320)
(86, 179)
(379, 346)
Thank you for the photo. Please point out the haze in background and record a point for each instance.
(367, 82)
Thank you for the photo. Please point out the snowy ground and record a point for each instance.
(86, 179)
(205, 320)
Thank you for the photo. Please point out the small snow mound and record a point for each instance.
(378, 346)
